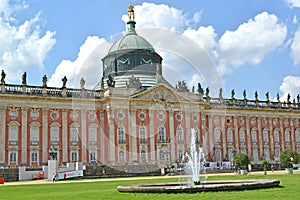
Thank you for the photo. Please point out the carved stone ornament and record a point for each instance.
(34, 114)
(13, 113)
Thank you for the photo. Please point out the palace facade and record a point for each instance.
(136, 116)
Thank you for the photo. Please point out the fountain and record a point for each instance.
(194, 163)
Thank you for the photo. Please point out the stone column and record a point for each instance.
(83, 136)
(132, 137)
(152, 137)
(2, 133)
(45, 135)
(111, 134)
(64, 136)
(172, 136)
(24, 136)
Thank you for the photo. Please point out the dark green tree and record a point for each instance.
(289, 157)
(241, 160)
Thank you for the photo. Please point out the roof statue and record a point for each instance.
(24, 76)
(131, 12)
(44, 81)
(3, 75)
(64, 80)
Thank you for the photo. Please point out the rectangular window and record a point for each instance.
(92, 135)
(74, 156)
(34, 135)
(254, 133)
(34, 157)
(54, 132)
(13, 133)
(242, 136)
(74, 134)
(13, 157)
(142, 135)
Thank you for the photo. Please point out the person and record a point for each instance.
(54, 177)
(272, 168)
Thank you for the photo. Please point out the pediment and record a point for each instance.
(161, 92)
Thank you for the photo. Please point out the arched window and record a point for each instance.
(92, 135)
(142, 135)
(229, 135)
(254, 136)
(143, 155)
(266, 135)
(161, 133)
(93, 157)
(255, 155)
(218, 155)
(54, 133)
(34, 134)
(13, 157)
(242, 135)
(121, 156)
(121, 135)
(267, 154)
(297, 133)
(276, 135)
(161, 155)
(179, 135)
(217, 135)
(287, 135)
(13, 133)
(74, 135)
(180, 154)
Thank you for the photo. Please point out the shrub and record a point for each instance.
(241, 160)
(289, 157)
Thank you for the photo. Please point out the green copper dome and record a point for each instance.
(131, 41)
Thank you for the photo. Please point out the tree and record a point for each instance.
(289, 157)
(241, 160)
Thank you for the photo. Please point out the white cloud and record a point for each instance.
(23, 47)
(295, 19)
(290, 85)
(87, 65)
(293, 3)
(295, 47)
(252, 40)
(150, 15)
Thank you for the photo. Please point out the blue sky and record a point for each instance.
(252, 44)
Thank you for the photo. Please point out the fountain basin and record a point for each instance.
(208, 186)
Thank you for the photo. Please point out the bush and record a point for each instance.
(289, 157)
(241, 160)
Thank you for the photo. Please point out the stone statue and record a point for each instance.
(245, 94)
(278, 98)
(102, 83)
(134, 82)
(193, 89)
(221, 93)
(200, 89)
(181, 86)
(298, 98)
(110, 81)
(256, 95)
(64, 80)
(82, 83)
(267, 96)
(207, 92)
(3, 75)
(288, 98)
(24, 77)
(53, 153)
(232, 93)
(45, 81)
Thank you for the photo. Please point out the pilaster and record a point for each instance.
(84, 145)
(24, 136)
(2, 133)
(64, 136)
(45, 135)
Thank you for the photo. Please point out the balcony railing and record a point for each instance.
(74, 143)
(34, 143)
(13, 142)
(163, 140)
(121, 141)
(143, 141)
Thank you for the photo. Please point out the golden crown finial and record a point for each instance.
(131, 12)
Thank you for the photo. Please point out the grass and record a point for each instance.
(289, 189)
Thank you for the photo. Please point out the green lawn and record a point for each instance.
(290, 189)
